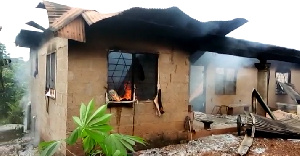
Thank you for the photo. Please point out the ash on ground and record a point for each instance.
(225, 143)
(13, 142)
(18, 147)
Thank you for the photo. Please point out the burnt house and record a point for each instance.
(84, 54)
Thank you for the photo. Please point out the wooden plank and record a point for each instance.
(245, 145)
(256, 95)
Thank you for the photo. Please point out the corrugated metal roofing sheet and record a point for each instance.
(92, 16)
(74, 30)
(54, 10)
(66, 18)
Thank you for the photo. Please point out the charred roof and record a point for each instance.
(68, 22)
(170, 25)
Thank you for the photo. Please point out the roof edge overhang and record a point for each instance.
(244, 48)
(29, 39)
(41, 5)
(172, 14)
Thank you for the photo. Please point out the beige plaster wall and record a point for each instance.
(50, 125)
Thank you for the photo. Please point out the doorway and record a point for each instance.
(197, 89)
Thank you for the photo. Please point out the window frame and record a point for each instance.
(51, 68)
(132, 79)
(221, 89)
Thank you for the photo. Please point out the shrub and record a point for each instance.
(94, 131)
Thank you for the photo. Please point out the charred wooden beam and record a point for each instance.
(256, 95)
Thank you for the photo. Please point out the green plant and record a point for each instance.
(14, 79)
(94, 131)
(15, 115)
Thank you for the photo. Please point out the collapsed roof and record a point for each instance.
(169, 24)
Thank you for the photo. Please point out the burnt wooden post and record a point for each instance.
(263, 69)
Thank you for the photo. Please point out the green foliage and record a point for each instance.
(94, 131)
(49, 148)
(13, 85)
(15, 115)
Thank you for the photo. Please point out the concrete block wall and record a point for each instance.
(87, 77)
(52, 125)
(173, 71)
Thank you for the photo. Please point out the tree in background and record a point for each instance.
(13, 87)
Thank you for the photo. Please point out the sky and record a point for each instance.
(273, 22)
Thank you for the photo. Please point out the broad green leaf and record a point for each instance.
(44, 145)
(51, 149)
(82, 112)
(74, 136)
(114, 144)
(77, 121)
(101, 128)
(89, 110)
(136, 139)
(117, 153)
(131, 139)
(124, 137)
(88, 144)
(110, 148)
(98, 113)
(100, 120)
(127, 145)
(98, 136)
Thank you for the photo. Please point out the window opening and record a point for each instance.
(50, 75)
(131, 75)
(282, 76)
(225, 81)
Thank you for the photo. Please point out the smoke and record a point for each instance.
(21, 77)
(22, 80)
(223, 67)
(222, 60)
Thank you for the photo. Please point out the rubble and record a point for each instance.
(21, 147)
(259, 150)
(219, 121)
(225, 145)
(14, 143)
(281, 115)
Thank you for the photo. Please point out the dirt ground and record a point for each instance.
(227, 145)
(13, 142)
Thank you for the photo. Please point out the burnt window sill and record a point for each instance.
(128, 104)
